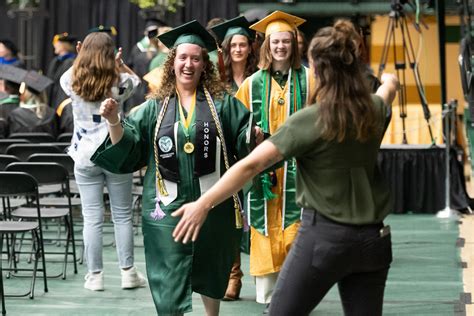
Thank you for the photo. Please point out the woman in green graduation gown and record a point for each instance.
(239, 62)
(193, 131)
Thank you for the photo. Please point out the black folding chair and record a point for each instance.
(13, 184)
(23, 151)
(34, 137)
(59, 208)
(64, 138)
(4, 143)
(5, 160)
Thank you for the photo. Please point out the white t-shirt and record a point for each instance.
(90, 129)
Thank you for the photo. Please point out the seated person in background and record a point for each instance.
(33, 114)
(9, 54)
(65, 117)
(65, 49)
(10, 79)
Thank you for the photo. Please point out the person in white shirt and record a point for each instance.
(98, 73)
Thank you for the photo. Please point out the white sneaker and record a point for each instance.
(131, 278)
(94, 281)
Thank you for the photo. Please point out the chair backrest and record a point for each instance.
(17, 183)
(4, 143)
(64, 138)
(43, 172)
(3, 128)
(23, 151)
(34, 137)
(63, 159)
(5, 160)
(61, 146)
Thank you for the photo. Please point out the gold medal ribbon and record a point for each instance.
(186, 122)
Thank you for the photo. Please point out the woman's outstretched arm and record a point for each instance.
(194, 214)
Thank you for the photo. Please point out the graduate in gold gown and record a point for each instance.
(281, 87)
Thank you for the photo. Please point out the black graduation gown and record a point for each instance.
(56, 69)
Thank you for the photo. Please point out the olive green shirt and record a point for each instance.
(340, 180)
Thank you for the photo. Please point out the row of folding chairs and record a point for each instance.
(38, 137)
(21, 182)
(48, 143)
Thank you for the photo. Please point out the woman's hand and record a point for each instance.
(259, 137)
(109, 109)
(118, 58)
(193, 216)
(78, 46)
(389, 78)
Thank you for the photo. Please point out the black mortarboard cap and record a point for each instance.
(238, 25)
(64, 37)
(192, 33)
(36, 82)
(153, 23)
(111, 30)
(12, 73)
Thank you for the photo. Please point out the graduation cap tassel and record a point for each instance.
(158, 213)
(266, 186)
(220, 60)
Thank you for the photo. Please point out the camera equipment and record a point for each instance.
(398, 19)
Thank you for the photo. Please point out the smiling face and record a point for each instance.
(239, 48)
(280, 46)
(188, 66)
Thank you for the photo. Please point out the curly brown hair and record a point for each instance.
(209, 78)
(94, 70)
(250, 66)
(344, 102)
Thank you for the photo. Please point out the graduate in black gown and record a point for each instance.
(10, 79)
(65, 50)
(33, 114)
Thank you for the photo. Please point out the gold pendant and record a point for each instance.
(188, 147)
(281, 101)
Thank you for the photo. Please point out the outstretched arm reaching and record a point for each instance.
(194, 214)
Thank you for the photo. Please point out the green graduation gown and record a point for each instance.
(176, 270)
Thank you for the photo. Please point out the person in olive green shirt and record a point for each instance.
(187, 134)
(342, 238)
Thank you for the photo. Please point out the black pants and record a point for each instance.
(357, 258)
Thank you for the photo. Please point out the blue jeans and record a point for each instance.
(90, 181)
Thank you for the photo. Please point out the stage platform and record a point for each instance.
(416, 176)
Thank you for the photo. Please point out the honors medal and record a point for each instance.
(188, 147)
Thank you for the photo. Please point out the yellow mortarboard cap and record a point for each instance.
(277, 21)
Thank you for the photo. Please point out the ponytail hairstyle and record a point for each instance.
(344, 102)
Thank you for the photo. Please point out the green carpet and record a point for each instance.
(425, 279)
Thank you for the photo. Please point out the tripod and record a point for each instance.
(398, 20)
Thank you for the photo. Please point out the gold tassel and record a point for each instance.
(162, 187)
(238, 216)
